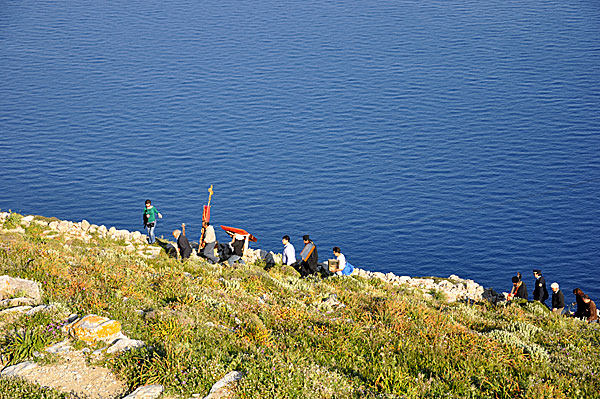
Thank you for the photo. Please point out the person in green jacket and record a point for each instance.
(150, 214)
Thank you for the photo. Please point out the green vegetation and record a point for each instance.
(19, 389)
(201, 321)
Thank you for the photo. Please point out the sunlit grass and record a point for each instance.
(200, 321)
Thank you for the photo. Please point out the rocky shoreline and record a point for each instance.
(453, 288)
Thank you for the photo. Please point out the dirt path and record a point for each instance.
(72, 374)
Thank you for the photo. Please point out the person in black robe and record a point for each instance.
(183, 245)
(309, 261)
(540, 292)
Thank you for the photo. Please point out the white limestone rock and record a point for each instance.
(379, 275)
(220, 390)
(12, 302)
(146, 392)
(18, 309)
(39, 308)
(125, 344)
(18, 369)
(121, 234)
(63, 226)
(11, 286)
(60, 347)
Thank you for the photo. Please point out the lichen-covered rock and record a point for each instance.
(93, 328)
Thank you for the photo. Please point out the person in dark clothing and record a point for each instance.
(558, 299)
(540, 292)
(237, 244)
(309, 258)
(183, 245)
(519, 289)
(580, 304)
(590, 313)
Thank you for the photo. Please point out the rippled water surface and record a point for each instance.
(422, 137)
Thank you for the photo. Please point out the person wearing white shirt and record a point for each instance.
(344, 268)
(289, 252)
(341, 259)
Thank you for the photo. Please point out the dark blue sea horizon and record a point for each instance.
(423, 138)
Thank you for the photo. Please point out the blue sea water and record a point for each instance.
(422, 137)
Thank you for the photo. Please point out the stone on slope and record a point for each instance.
(146, 392)
(92, 328)
(17, 302)
(221, 388)
(61, 347)
(18, 309)
(18, 369)
(125, 344)
(11, 286)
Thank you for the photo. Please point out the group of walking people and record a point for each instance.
(586, 308)
(232, 252)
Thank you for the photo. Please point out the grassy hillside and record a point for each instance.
(343, 337)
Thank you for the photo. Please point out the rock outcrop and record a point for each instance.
(19, 290)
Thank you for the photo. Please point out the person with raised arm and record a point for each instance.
(184, 249)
